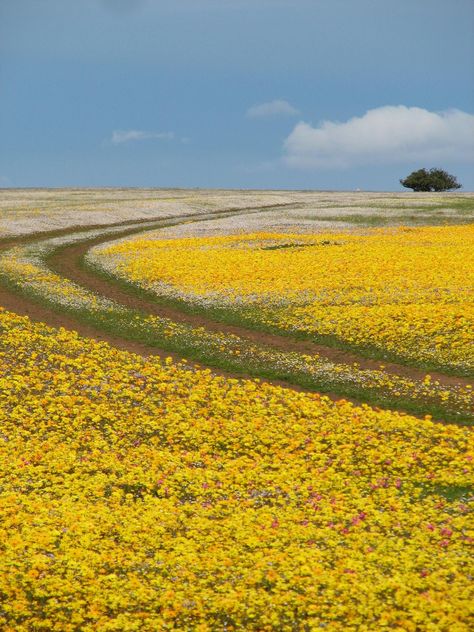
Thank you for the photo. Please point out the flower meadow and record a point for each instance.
(25, 268)
(24, 211)
(403, 293)
(150, 494)
(140, 494)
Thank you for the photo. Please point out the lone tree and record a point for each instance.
(432, 180)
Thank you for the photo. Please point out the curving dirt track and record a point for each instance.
(25, 306)
(67, 260)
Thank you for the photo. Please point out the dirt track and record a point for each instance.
(67, 262)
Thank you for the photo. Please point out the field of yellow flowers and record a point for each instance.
(141, 495)
(400, 293)
(145, 494)
(25, 268)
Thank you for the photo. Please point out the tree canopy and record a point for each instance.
(432, 180)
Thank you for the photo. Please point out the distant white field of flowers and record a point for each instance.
(24, 211)
(33, 210)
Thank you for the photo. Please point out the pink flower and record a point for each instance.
(446, 531)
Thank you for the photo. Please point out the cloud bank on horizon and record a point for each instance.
(383, 135)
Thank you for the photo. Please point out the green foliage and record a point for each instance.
(443, 181)
(432, 180)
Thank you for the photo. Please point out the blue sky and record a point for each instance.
(317, 94)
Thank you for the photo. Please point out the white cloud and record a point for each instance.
(272, 108)
(126, 136)
(388, 134)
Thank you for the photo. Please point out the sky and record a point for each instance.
(266, 94)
